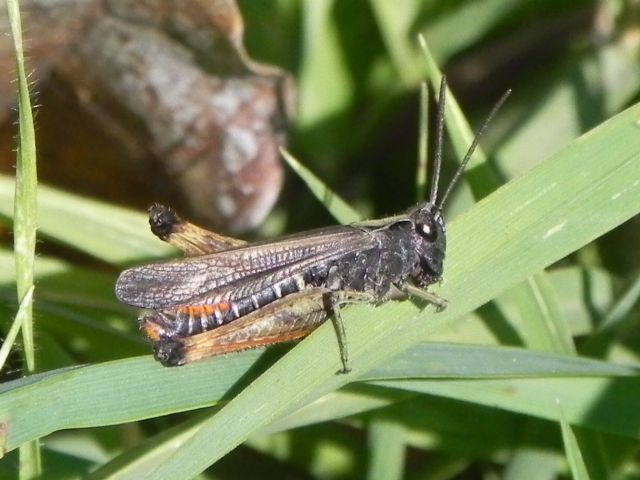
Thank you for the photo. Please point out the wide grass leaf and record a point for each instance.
(107, 394)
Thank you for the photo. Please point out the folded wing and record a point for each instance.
(236, 272)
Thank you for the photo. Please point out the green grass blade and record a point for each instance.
(107, 232)
(338, 405)
(572, 449)
(540, 321)
(12, 334)
(471, 21)
(26, 181)
(340, 209)
(114, 392)
(325, 85)
(443, 360)
(134, 463)
(24, 231)
(387, 447)
(88, 397)
(623, 307)
(601, 404)
(395, 22)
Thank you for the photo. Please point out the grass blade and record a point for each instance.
(572, 449)
(387, 447)
(24, 231)
(87, 396)
(18, 321)
(25, 206)
(341, 210)
(107, 232)
(623, 307)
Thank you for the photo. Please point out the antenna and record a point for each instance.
(472, 148)
(437, 160)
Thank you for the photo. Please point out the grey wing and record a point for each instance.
(238, 271)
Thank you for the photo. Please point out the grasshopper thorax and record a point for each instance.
(429, 243)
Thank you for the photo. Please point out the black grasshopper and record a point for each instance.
(231, 296)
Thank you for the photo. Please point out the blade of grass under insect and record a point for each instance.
(107, 232)
(340, 209)
(115, 392)
(545, 220)
(387, 450)
(432, 421)
(24, 229)
(136, 388)
(12, 334)
(572, 449)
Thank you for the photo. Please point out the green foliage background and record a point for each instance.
(530, 373)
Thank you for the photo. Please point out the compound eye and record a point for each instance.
(427, 231)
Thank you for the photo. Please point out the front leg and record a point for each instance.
(439, 302)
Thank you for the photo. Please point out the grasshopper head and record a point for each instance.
(430, 243)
